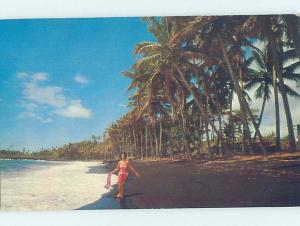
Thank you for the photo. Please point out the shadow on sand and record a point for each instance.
(101, 169)
(126, 203)
(109, 201)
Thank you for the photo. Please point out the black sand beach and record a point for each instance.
(251, 181)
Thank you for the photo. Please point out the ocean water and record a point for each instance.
(29, 185)
(11, 167)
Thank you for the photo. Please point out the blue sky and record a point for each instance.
(60, 79)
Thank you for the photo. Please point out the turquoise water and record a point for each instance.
(7, 166)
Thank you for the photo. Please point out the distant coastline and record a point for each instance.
(17, 155)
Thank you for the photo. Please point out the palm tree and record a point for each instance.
(170, 61)
(183, 83)
(219, 32)
(271, 29)
(263, 75)
(292, 24)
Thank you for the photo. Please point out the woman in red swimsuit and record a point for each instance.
(123, 165)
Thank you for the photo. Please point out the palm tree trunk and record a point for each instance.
(277, 114)
(208, 140)
(153, 155)
(172, 133)
(197, 100)
(124, 143)
(134, 140)
(212, 135)
(244, 146)
(240, 95)
(220, 130)
(230, 120)
(200, 136)
(261, 113)
(291, 135)
(186, 144)
(151, 152)
(160, 135)
(246, 129)
(127, 139)
(142, 152)
(146, 140)
(156, 142)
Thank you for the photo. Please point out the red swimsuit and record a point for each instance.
(123, 174)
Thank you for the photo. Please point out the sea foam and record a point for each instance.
(59, 187)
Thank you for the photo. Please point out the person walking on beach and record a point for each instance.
(122, 167)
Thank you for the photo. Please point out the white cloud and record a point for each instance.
(29, 106)
(22, 75)
(30, 114)
(40, 76)
(49, 95)
(122, 105)
(41, 94)
(81, 79)
(74, 110)
(38, 96)
(46, 120)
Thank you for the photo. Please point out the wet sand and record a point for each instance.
(253, 181)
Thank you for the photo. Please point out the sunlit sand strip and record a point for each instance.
(62, 187)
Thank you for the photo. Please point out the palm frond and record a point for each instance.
(259, 60)
(146, 61)
(291, 92)
(146, 47)
(292, 67)
(289, 56)
(291, 76)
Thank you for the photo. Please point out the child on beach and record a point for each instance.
(122, 166)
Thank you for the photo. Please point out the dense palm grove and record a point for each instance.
(183, 86)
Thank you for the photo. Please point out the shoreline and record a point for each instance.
(69, 186)
(237, 181)
(107, 200)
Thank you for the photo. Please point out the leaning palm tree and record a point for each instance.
(219, 32)
(170, 61)
(149, 99)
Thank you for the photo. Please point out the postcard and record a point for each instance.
(149, 112)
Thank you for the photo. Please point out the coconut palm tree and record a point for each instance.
(220, 33)
(292, 24)
(263, 76)
(272, 29)
(171, 62)
(189, 76)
